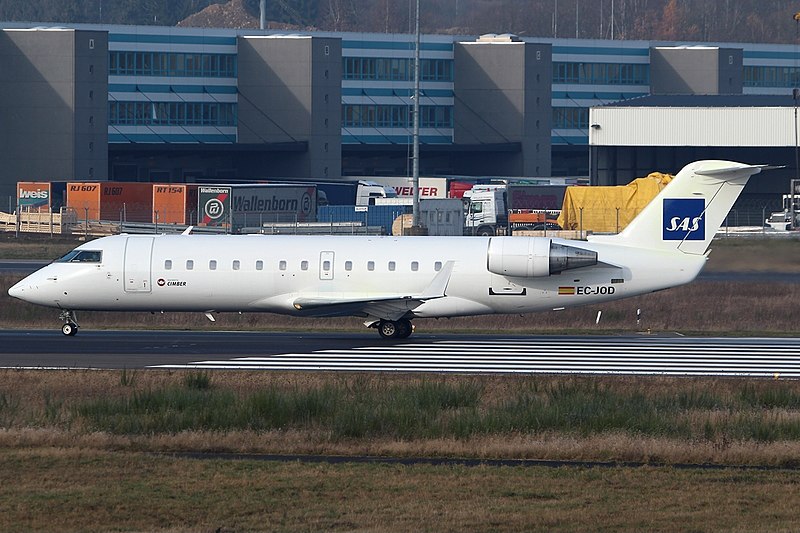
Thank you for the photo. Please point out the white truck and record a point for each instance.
(782, 220)
(368, 191)
(485, 211)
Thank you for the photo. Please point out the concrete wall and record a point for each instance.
(290, 91)
(502, 95)
(695, 70)
(53, 106)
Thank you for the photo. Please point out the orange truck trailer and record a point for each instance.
(130, 202)
(174, 204)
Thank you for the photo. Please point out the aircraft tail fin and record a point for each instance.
(690, 209)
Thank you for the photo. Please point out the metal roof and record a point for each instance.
(706, 100)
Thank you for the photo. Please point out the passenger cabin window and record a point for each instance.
(391, 266)
(212, 265)
(282, 265)
(236, 264)
(414, 266)
(259, 265)
(189, 264)
(326, 265)
(370, 265)
(437, 266)
(82, 256)
(348, 265)
(303, 265)
(168, 264)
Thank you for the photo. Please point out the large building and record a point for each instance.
(145, 103)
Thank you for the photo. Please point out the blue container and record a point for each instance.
(375, 215)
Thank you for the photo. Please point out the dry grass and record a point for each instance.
(712, 417)
(755, 254)
(35, 246)
(79, 490)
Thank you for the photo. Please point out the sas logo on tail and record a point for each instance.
(684, 219)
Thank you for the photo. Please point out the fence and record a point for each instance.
(330, 219)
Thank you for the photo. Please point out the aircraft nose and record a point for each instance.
(18, 290)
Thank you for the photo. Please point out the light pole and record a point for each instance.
(795, 96)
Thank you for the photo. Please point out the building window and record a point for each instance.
(395, 116)
(570, 118)
(172, 113)
(601, 73)
(395, 69)
(122, 63)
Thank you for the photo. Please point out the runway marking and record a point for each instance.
(683, 357)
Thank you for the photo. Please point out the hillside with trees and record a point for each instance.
(670, 20)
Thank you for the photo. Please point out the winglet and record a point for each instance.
(188, 230)
(439, 283)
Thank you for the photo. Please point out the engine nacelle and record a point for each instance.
(532, 257)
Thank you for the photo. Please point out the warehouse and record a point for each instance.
(665, 132)
(174, 105)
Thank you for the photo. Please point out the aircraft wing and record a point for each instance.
(385, 306)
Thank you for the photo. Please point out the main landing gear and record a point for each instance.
(395, 329)
(70, 327)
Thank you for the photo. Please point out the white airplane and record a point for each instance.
(389, 281)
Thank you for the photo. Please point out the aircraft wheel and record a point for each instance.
(404, 329)
(388, 329)
(69, 329)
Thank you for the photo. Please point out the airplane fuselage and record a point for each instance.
(269, 274)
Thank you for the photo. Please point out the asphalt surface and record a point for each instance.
(354, 352)
(138, 349)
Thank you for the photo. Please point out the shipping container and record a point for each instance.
(174, 204)
(114, 201)
(404, 186)
(373, 215)
(34, 196)
(541, 197)
(253, 205)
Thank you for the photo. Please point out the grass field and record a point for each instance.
(66, 490)
(75, 449)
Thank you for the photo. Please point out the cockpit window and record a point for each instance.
(82, 256)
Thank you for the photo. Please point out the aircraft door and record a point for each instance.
(138, 257)
(325, 265)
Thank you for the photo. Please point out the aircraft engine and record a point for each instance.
(527, 257)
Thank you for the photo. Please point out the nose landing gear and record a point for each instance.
(70, 327)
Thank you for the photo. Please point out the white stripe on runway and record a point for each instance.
(686, 357)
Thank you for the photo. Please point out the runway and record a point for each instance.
(469, 354)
